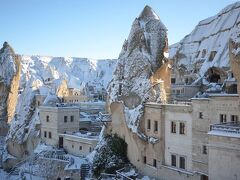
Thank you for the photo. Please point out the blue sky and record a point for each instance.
(92, 28)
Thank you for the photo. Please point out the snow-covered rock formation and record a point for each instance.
(234, 50)
(207, 45)
(9, 77)
(142, 75)
(27, 76)
(137, 77)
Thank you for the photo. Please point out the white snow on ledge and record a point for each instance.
(224, 133)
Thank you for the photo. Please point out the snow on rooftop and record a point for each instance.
(75, 162)
(42, 147)
(224, 133)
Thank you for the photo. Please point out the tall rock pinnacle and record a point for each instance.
(141, 57)
(148, 13)
(9, 69)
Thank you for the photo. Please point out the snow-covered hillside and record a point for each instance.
(207, 45)
(41, 75)
(44, 74)
(75, 70)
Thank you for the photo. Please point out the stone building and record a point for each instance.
(182, 147)
(60, 125)
(79, 144)
(56, 120)
(183, 92)
(224, 151)
(75, 96)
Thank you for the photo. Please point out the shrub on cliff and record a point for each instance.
(110, 156)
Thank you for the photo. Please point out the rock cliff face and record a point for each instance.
(9, 78)
(207, 45)
(234, 52)
(137, 77)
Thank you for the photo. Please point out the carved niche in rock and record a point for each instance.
(131, 100)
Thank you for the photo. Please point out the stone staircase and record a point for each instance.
(85, 168)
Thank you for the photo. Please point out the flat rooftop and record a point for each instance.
(79, 135)
(59, 106)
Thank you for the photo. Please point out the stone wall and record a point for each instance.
(224, 158)
(78, 146)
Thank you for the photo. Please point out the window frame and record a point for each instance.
(234, 118)
(65, 119)
(71, 118)
(155, 126)
(182, 129)
(204, 149)
(182, 157)
(50, 135)
(45, 134)
(173, 80)
(175, 156)
(144, 159)
(148, 124)
(47, 118)
(173, 128)
(155, 163)
(223, 118)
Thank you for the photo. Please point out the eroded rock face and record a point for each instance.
(234, 55)
(206, 46)
(9, 78)
(135, 80)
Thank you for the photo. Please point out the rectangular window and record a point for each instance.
(200, 115)
(182, 162)
(204, 149)
(182, 91)
(155, 126)
(72, 146)
(173, 80)
(45, 134)
(49, 135)
(173, 127)
(234, 118)
(47, 118)
(173, 160)
(144, 159)
(178, 92)
(120, 90)
(154, 162)
(149, 124)
(65, 118)
(90, 149)
(182, 128)
(223, 118)
(80, 147)
(72, 118)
